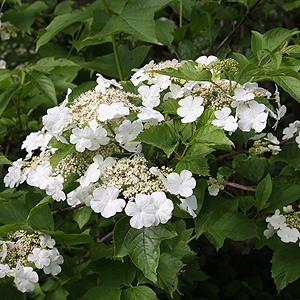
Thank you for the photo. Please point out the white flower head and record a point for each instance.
(204, 60)
(46, 241)
(40, 257)
(289, 132)
(190, 109)
(103, 83)
(106, 202)
(142, 211)
(150, 95)
(25, 278)
(128, 131)
(14, 177)
(269, 232)
(150, 116)
(182, 184)
(277, 220)
(190, 205)
(55, 260)
(253, 117)
(225, 120)
(112, 111)
(163, 207)
(288, 235)
(176, 91)
(162, 81)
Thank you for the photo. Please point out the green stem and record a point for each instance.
(114, 46)
(180, 13)
(176, 53)
(110, 129)
(192, 238)
(117, 58)
(184, 151)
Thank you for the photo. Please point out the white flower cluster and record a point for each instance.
(285, 225)
(24, 249)
(111, 118)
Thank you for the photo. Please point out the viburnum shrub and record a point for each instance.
(135, 157)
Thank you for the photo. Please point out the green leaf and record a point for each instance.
(291, 5)
(177, 246)
(102, 292)
(6, 94)
(57, 294)
(195, 160)
(263, 192)
(42, 203)
(167, 269)
(187, 50)
(170, 106)
(48, 64)
(221, 220)
(129, 59)
(290, 84)
(137, 19)
(270, 41)
(101, 250)
(59, 23)
(142, 245)
(70, 239)
(4, 160)
(9, 292)
(141, 292)
(116, 5)
(81, 216)
(163, 29)
(282, 196)
(114, 273)
(159, 136)
(63, 8)
(25, 16)
(211, 135)
(43, 84)
(63, 151)
(187, 71)
(285, 265)
(42, 220)
(83, 87)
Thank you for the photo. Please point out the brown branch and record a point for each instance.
(229, 36)
(180, 271)
(239, 186)
(106, 237)
(67, 209)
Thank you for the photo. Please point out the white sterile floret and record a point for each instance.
(103, 83)
(288, 235)
(55, 188)
(176, 91)
(139, 77)
(182, 184)
(272, 138)
(190, 109)
(25, 278)
(204, 60)
(112, 111)
(162, 81)
(225, 120)
(106, 202)
(163, 207)
(142, 211)
(81, 195)
(55, 260)
(289, 132)
(150, 116)
(88, 138)
(133, 147)
(94, 171)
(253, 117)
(56, 119)
(240, 97)
(277, 220)
(40, 177)
(288, 209)
(150, 95)
(14, 177)
(213, 189)
(274, 147)
(269, 232)
(189, 205)
(46, 240)
(4, 270)
(297, 139)
(128, 131)
(4, 246)
(253, 86)
(35, 140)
(40, 257)
(100, 136)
